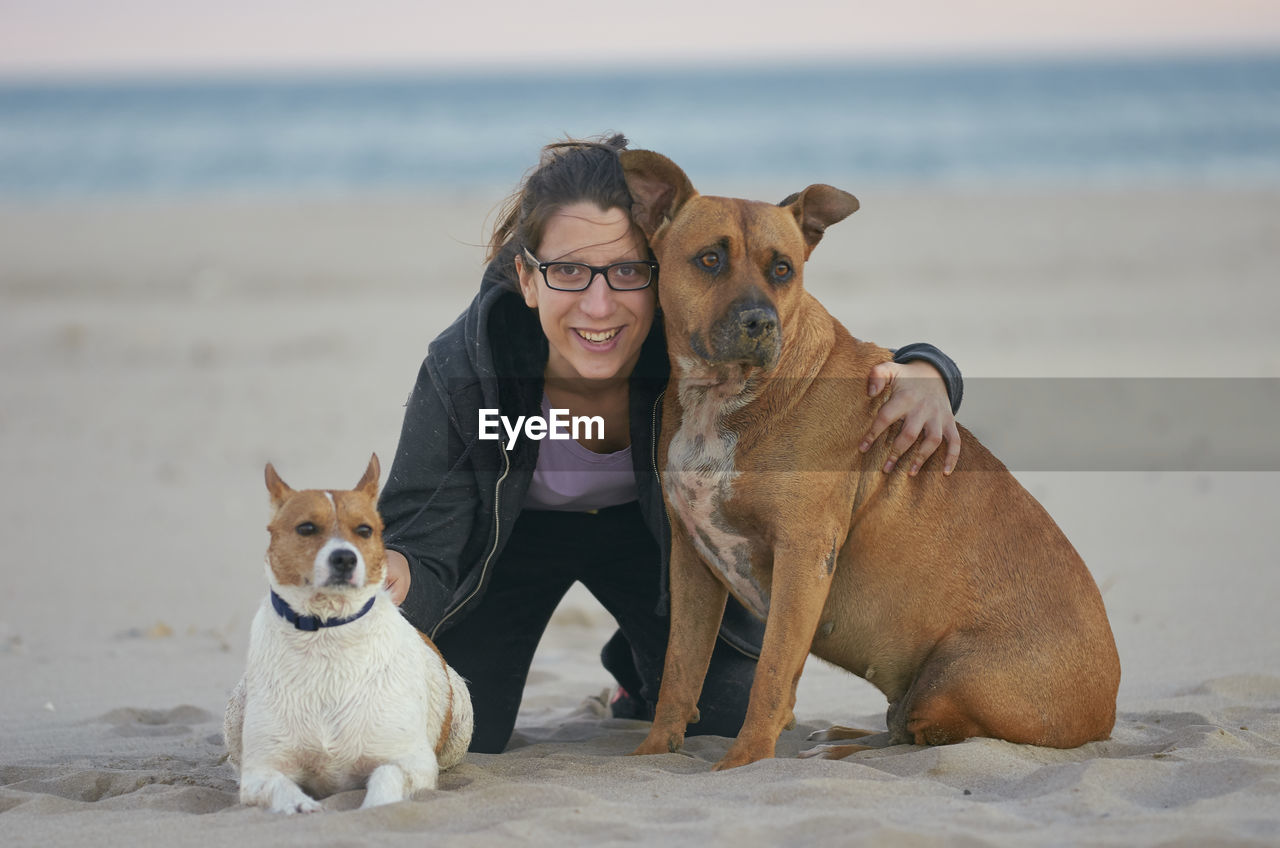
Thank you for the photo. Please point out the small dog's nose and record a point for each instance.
(342, 561)
(758, 322)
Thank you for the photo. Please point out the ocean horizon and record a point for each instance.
(1054, 124)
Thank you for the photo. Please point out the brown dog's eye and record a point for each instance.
(306, 528)
(709, 260)
(782, 271)
(364, 531)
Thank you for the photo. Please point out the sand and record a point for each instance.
(155, 356)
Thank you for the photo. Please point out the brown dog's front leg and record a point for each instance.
(697, 606)
(799, 593)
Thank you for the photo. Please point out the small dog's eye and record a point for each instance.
(782, 271)
(709, 260)
(306, 528)
(364, 531)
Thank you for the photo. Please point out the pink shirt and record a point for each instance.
(569, 477)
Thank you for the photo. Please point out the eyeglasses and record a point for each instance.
(577, 276)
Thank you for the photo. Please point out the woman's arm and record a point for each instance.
(428, 508)
(927, 390)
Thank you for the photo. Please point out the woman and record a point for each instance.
(483, 541)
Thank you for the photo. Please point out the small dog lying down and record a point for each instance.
(339, 690)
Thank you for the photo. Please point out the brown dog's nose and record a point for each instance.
(748, 332)
(758, 322)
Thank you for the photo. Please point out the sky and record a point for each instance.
(77, 37)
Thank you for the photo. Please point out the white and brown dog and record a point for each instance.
(339, 690)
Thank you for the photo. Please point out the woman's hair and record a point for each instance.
(570, 171)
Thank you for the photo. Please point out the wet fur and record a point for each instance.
(369, 703)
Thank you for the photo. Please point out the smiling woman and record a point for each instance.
(595, 332)
(485, 535)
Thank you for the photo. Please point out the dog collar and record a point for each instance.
(311, 623)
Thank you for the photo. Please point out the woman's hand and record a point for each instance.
(397, 577)
(920, 401)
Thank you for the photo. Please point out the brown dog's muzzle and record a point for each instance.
(747, 333)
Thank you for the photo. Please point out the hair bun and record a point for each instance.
(569, 171)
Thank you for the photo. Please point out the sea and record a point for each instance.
(1043, 123)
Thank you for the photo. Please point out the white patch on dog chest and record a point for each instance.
(698, 482)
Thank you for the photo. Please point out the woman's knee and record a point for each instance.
(490, 738)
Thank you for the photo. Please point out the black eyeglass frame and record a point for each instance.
(601, 270)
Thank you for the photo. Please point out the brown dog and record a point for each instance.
(958, 597)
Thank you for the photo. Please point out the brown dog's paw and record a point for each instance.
(832, 752)
(741, 755)
(837, 733)
(660, 743)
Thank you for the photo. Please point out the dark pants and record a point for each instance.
(612, 554)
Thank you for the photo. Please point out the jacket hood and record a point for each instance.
(465, 353)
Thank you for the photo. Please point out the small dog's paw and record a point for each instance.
(279, 795)
(390, 784)
(372, 799)
(301, 804)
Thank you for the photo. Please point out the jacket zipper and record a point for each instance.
(497, 498)
(653, 445)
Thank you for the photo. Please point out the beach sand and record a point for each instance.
(155, 356)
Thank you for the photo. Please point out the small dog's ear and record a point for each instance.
(818, 207)
(368, 484)
(279, 490)
(658, 188)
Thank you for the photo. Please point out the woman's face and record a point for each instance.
(596, 333)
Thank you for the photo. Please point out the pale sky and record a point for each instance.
(89, 36)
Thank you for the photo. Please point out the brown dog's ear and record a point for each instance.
(368, 484)
(818, 207)
(658, 188)
(279, 490)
